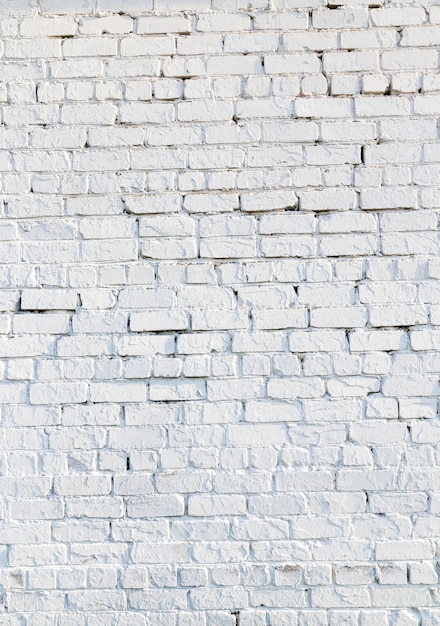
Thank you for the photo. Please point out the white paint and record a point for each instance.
(219, 313)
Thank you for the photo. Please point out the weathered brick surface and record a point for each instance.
(219, 313)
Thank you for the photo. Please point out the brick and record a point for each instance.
(82, 485)
(403, 550)
(218, 22)
(234, 65)
(350, 61)
(395, 16)
(382, 106)
(71, 6)
(89, 47)
(319, 200)
(220, 312)
(127, 5)
(408, 59)
(159, 320)
(420, 36)
(47, 27)
(147, 46)
(163, 25)
(120, 24)
(58, 393)
(322, 107)
(388, 199)
(356, 17)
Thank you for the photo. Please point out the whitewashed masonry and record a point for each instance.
(220, 313)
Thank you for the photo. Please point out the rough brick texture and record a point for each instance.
(220, 313)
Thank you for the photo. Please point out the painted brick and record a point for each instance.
(220, 312)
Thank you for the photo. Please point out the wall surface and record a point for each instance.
(220, 326)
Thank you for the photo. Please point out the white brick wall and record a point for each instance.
(219, 313)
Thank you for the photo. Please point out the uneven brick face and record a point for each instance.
(219, 312)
